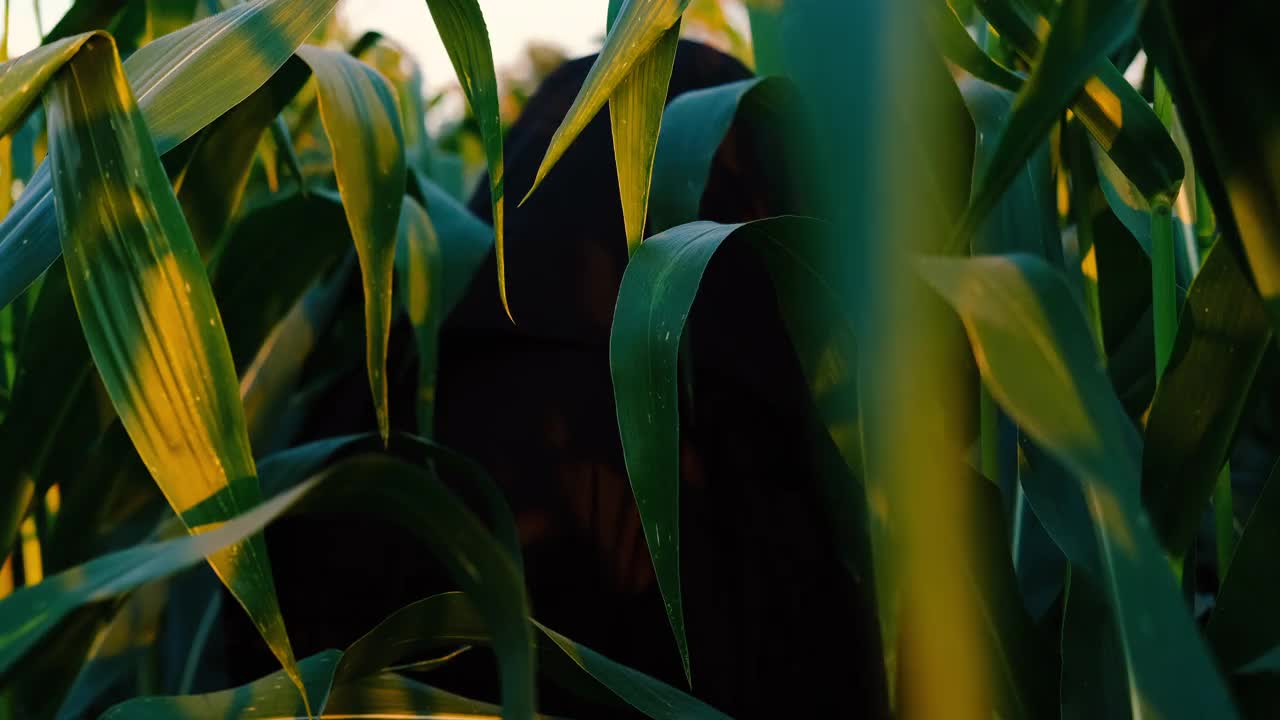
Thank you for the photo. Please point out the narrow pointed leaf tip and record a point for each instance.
(361, 116)
(638, 28)
(466, 38)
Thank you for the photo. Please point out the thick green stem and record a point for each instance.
(1164, 292)
(1224, 522)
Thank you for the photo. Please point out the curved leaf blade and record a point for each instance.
(466, 38)
(182, 82)
(1223, 333)
(654, 300)
(693, 128)
(1038, 361)
(150, 320)
(1244, 626)
(420, 266)
(635, 115)
(1083, 34)
(958, 46)
(636, 31)
(362, 119)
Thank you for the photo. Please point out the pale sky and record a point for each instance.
(577, 26)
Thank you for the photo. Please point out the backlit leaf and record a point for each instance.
(150, 320)
(182, 83)
(635, 115)
(1083, 34)
(639, 27)
(466, 38)
(362, 119)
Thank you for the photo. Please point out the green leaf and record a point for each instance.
(49, 414)
(1231, 126)
(1025, 219)
(1083, 34)
(653, 698)
(1244, 625)
(465, 240)
(268, 382)
(635, 115)
(28, 615)
(639, 27)
(654, 300)
(150, 320)
(958, 46)
(257, 283)
(1113, 112)
(183, 82)
(1223, 333)
(213, 182)
(420, 267)
(450, 620)
(1095, 683)
(466, 39)
(1020, 667)
(360, 115)
(1038, 360)
(1059, 506)
(695, 125)
(259, 700)
(766, 38)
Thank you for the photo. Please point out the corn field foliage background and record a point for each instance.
(1076, 201)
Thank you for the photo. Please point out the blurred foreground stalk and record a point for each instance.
(882, 175)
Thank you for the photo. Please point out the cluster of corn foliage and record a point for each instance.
(1032, 313)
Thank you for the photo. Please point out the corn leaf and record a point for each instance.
(267, 383)
(1025, 219)
(1095, 683)
(1223, 333)
(766, 37)
(1113, 112)
(466, 38)
(1244, 627)
(958, 46)
(362, 119)
(695, 125)
(1082, 35)
(212, 184)
(150, 320)
(639, 26)
(1232, 127)
(258, 700)
(257, 283)
(420, 266)
(635, 115)
(183, 82)
(31, 613)
(48, 415)
(1038, 361)
(450, 619)
(465, 240)
(479, 563)
(657, 292)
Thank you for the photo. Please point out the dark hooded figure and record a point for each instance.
(777, 625)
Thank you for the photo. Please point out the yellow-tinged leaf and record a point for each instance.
(466, 38)
(635, 113)
(362, 119)
(150, 320)
(639, 26)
